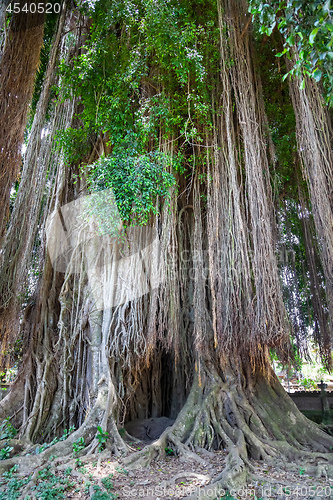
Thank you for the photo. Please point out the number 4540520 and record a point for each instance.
(34, 8)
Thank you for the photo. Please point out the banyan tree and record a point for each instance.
(163, 238)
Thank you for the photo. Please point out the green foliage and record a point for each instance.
(169, 451)
(9, 474)
(314, 371)
(107, 482)
(66, 433)
(306, 26)
(5, 452)
(121, 470)
(50, 486)
(44, 446)
(101, 437)
(8, 374)
(7, 431)
(74, 143)
(144, 75)
(78, 446)
(136, 182)
(14, 350)
(227, 496)
(13, 194)
(12, 489)
(100, 495)
(309, 384)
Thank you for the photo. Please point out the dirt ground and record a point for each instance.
(173, 478)
(103, 477)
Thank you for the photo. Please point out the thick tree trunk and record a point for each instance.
(249, 415)
(18, 67)
(228, 407)
(40, 164)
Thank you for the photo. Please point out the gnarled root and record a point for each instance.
(246, 417)
(99, 415)
(248, 423)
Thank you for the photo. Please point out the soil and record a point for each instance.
(172, 477)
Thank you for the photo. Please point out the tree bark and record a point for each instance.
(18, 68)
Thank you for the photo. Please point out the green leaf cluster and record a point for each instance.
(101, 437)
(50, 486)
(78, 446)
(137, 182)
(144, 76)
(13, 487)
(7, 430)
(307, 30)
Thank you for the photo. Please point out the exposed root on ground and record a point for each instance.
(99, 415)
(249, 423)
(221, 412)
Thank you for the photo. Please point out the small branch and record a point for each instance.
(246, 26)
